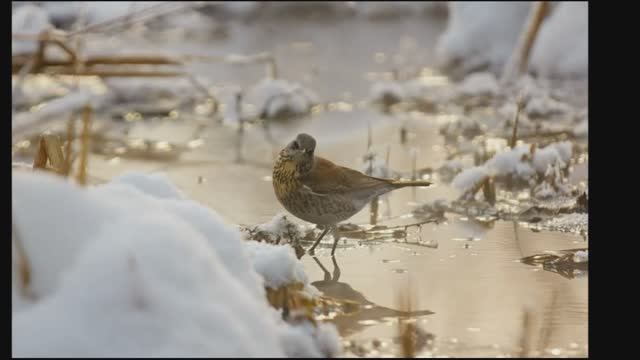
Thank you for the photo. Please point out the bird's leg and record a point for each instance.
(239, 158)
(267, 135)
(336, 237)
(324, 232)
(387, 212)
(327, 275)
(336, 269)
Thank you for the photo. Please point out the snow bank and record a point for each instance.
(133, 268)
(481, 34)
(28, 19)
(562, 46)
(484, 34)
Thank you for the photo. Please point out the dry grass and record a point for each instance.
(293, 302)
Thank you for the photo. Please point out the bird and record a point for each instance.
(318, 191)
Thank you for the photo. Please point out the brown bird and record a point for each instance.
(320, 192)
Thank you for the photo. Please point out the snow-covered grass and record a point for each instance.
(469, 178)
(517, 162)
(134, 268)
(281, 230)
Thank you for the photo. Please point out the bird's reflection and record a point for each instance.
(367, 313)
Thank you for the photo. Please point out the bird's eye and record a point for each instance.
(295, 145)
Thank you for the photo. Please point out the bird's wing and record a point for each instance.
(326, 177)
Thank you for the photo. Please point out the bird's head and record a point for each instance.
(300, 150)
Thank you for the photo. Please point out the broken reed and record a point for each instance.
(59, 157)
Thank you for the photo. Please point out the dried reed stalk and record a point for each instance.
(68, 146)
(84, 148)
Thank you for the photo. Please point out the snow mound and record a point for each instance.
(133, 268)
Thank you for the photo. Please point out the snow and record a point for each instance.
(484, 34)
(28, 19)
(133, 90)
(59, 106)
(562, 46)
(479, 84)
(393, 8)
(469, 178)
(481, 34)
(552, 154)
(575, 222)
(517, 162)
(157, 185)
(280, 229)
(509, 162)
(96, 11)
(276, 263)
(582, 129)
(134, 268)
(276, 97)
(581, 256)
(545, 106)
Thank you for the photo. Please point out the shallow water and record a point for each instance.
(475, 294)
(477, 290)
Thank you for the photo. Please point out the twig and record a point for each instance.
(516, 117)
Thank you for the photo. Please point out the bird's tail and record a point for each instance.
(406, 183)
